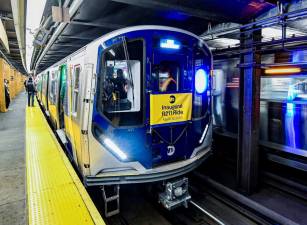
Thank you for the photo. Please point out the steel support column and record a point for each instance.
(249, 102)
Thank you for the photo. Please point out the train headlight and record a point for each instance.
(114, 148)
(201, 81)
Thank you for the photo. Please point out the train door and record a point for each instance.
(72, 119)
(75, 115)
(52, 97)
(45, 90)
(170, 73)
(88, 81)
(62, 90)
(39, 87)
(67, 113)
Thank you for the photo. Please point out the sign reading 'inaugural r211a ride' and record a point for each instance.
(170, 108)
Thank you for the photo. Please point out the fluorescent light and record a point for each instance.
(169, 43)
(285, 70)
(110, 144)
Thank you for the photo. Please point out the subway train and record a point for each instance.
(133, 106)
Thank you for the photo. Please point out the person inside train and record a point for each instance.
(168, 83)
(7, 93)
(120, 85)
(117, 89)
(31, 89)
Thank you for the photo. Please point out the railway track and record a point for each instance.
(207, 207)
(291, 187)
(254, 211)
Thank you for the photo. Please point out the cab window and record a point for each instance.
(121, 83)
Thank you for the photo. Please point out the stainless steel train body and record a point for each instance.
(103, 100)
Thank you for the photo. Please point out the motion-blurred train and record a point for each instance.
(134, 106)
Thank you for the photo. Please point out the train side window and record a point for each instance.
(75, 89)
(64, 92)
(52, 93)
(121, 83)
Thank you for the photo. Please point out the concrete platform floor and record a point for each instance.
(12, 163)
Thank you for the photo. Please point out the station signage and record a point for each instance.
(170, 108)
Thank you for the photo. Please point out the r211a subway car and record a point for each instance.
(134, 106)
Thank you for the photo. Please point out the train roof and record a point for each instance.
(123, 31)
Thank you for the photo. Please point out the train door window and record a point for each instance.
(65, 71)
(121, 83)
(75, 89)
(52, 94)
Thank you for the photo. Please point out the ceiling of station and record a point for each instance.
(95, 18)
(14, 56)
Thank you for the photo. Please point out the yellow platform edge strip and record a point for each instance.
(44, 182)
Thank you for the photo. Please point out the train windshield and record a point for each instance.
(121, 83)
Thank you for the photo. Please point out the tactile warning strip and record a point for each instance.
(55, 194)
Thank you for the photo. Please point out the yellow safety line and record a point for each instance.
(55, 194)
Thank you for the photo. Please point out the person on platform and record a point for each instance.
(7, 93)
(31, 89)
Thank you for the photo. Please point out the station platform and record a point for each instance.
(12, 163)
(55, 194)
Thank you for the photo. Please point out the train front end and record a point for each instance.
(151, 116)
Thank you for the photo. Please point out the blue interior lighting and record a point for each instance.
(201, 81)
(169, 43)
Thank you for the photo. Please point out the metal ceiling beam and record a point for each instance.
(57, 51)
(19, 15)
(55, 55)
(10, 32)
(13, 43)
(12, 39)
(97, 24)
(76, 37)
(157, 5)
(5, 15)
(68, 44)
(14, 49)
(74, 7)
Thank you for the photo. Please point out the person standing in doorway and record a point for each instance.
(7, 93)
(30, 87)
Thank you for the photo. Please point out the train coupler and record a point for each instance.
(176, 194)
